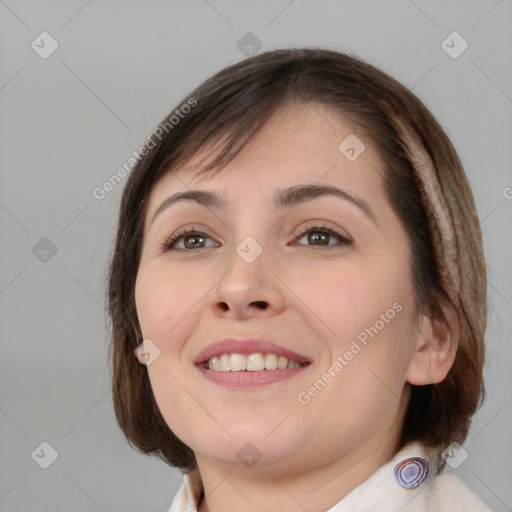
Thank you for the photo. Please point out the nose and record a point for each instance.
(247, 289)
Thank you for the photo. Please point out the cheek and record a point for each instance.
(168, 303)
(366, 375)
(343, 300)
(372, 356)
(163, 297)
(363, 314)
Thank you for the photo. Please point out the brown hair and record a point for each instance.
(229, 109)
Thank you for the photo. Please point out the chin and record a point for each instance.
(252, 448)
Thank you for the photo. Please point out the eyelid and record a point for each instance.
(317, 225)
(181, 233)
(298, 233)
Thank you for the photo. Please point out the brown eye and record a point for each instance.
(319, 236)
(191, 240)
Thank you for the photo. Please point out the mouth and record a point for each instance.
(255, 362)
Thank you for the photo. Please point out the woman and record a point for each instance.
(299, 270)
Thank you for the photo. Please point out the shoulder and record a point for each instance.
(453, 495)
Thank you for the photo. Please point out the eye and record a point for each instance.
(318, 236)
(191, 239)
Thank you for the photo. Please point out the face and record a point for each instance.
(326, 276)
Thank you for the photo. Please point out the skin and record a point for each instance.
(312, 300)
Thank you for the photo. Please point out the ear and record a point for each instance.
(436, 347)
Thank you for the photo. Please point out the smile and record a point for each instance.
(253, 362)
(236, 362)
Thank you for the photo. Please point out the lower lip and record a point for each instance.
(245, 378)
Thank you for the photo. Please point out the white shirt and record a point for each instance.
(439, 493)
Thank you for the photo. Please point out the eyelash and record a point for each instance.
(168, 244)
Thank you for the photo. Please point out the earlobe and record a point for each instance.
(436, 347)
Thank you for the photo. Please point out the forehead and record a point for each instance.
(295, 132)
(300, 143)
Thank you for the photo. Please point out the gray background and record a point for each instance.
(69, 121)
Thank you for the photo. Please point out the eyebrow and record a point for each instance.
(285, 198)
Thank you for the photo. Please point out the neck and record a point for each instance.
(314, 489)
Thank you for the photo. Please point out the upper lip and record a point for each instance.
(246, 347)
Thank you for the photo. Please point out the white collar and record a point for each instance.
(379, 492)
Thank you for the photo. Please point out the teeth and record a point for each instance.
(252, 363)
(255, 362)
(214, 364)
(282, 363)
(270, 362)
(225, 362)
(238, 362)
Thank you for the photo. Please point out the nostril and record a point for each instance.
(260, 304)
